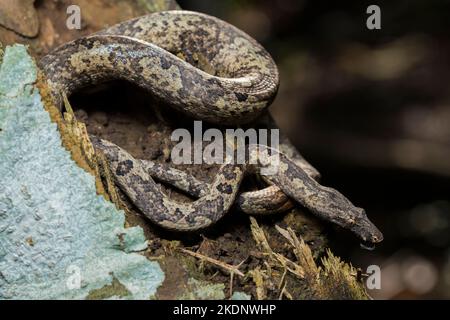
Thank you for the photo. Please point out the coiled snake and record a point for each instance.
(143, 51)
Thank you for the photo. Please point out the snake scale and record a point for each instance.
(159, 52)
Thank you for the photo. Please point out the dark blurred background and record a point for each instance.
(371, 110)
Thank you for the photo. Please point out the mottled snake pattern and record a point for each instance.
(162, 53)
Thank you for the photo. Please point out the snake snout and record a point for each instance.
(366, 230)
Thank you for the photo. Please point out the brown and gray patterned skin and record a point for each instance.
(325, 202)
(134, 177)
(245, 81)
(147, 196)
(139, 51)
(266, 201)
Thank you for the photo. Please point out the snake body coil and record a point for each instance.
(146, 51)
(139, 51)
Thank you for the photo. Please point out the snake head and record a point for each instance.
(365, 229)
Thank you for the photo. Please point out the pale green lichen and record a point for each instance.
(238, 295)
(203, 290)
(58, 238)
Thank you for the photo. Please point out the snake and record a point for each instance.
(209, 70)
